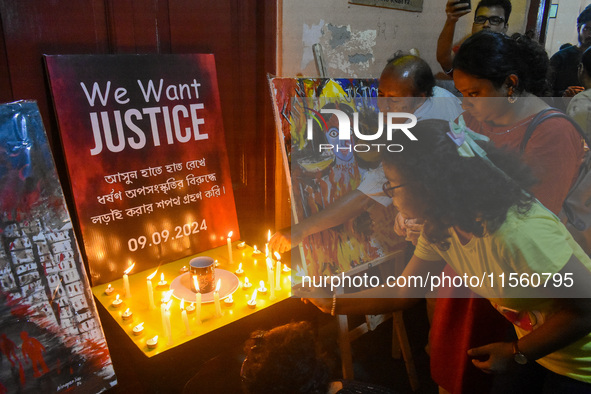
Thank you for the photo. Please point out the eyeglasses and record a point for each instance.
(493, 20)
(389, 190)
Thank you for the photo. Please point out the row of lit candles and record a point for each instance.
(166, 303)
(162, 282)
(117, 302)
(239, 271)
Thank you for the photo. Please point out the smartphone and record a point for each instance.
(467, 7)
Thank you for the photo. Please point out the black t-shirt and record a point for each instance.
(563, 69)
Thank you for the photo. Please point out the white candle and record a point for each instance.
(229, 241)
(252, 303)
(167, 321)
(216, 299)
(262, 289)
(152, 342)
(152, 305)
(185, 318)
(197, 300)
(127, 314)
(270, 277)
(239, 271)
(126, 281)
(267, 244)
(228, 300)
(165, 298)
(117, 302)
(241, 245)
(137, 330)
(109, 290)
(256, 253)
(278, 272)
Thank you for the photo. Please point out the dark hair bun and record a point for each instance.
(494, 56)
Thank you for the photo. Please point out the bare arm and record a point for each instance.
(571, 322)
(345, 208)
(446, 37)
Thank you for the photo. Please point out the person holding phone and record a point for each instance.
(490, 14)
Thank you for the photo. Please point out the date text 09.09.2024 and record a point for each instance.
(163, 236)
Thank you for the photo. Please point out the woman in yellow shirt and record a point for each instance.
(507, 246)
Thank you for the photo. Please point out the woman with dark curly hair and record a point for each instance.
(481, 221)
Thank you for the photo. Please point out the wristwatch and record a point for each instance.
(518, 356)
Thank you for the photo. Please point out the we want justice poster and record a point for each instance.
(146, 155)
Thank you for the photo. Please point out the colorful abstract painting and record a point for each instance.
(318, 181)
(51, 338)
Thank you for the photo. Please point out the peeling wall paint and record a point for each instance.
(358, 40)
(311, 34)
(348, 51)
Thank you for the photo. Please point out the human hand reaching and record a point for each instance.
(283, 239)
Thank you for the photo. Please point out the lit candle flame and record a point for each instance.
(127, 271)
(255, 248)
(126, 311)
(277, 255)
(153, 275)
(182, 304)
(196, 283)
(162, 277)
(269, 235)
(240, 267)
(254, 297)
(262, 284)
(168, 305)
(218, 285)
(230, 234)
(229, 299)
(117, 298)
(245, 280)
(155, 339)
(139, 326)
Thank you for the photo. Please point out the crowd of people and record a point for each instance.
(473, 198)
